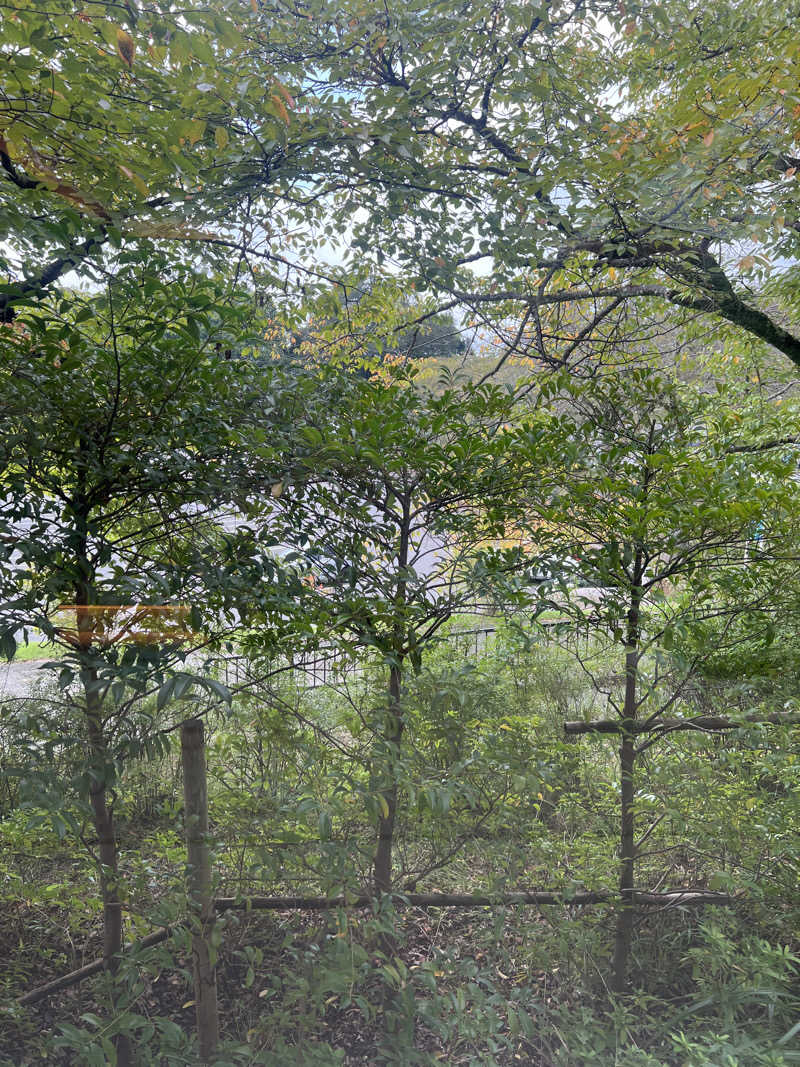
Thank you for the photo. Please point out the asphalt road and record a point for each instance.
(21, 679)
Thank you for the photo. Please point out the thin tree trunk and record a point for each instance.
(393, 733)
(106, 840)
(627, 760)
(201, 905)
(99, 761)
(624, 927)
(388, 795)
(106, 844)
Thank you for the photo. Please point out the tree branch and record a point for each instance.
(36, 285)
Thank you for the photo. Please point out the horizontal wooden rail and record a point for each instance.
(708, 723)
(89, 969)
(468, 900)
(672, 898)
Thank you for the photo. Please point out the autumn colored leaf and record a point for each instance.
(137, 181)
(125, 47)
(280, 107)
(287, 96)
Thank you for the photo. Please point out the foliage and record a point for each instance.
(662, 497)
(134, 125)
(604, 163)
(211, 403)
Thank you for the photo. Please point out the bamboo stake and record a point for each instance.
(468, 900)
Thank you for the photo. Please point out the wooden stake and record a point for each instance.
(198, 884)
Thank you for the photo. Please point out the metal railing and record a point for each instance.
(331, 665)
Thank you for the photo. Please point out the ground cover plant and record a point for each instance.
(471, 986)
(489, 797)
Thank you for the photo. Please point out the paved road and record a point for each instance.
(20, 679)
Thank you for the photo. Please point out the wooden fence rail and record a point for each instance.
(707, 723)
(670, 899)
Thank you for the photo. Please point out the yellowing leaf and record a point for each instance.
(195, 130)
(137, 181)
(708, 139)
(280, 107)
(287, 96)
(125, 47)
(220, 136)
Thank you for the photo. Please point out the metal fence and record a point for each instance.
(331, 665)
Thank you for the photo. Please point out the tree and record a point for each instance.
(141, 124)
(588, 158)
(662, 504)
(393, 494)
(593, 157)
(115, 435)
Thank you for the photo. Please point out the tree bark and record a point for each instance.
(99, 757)
(624, 927)
(386, 820)
(393, 733)
(106, 845)
(627, 760)
(201, 905)
(106, 839)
